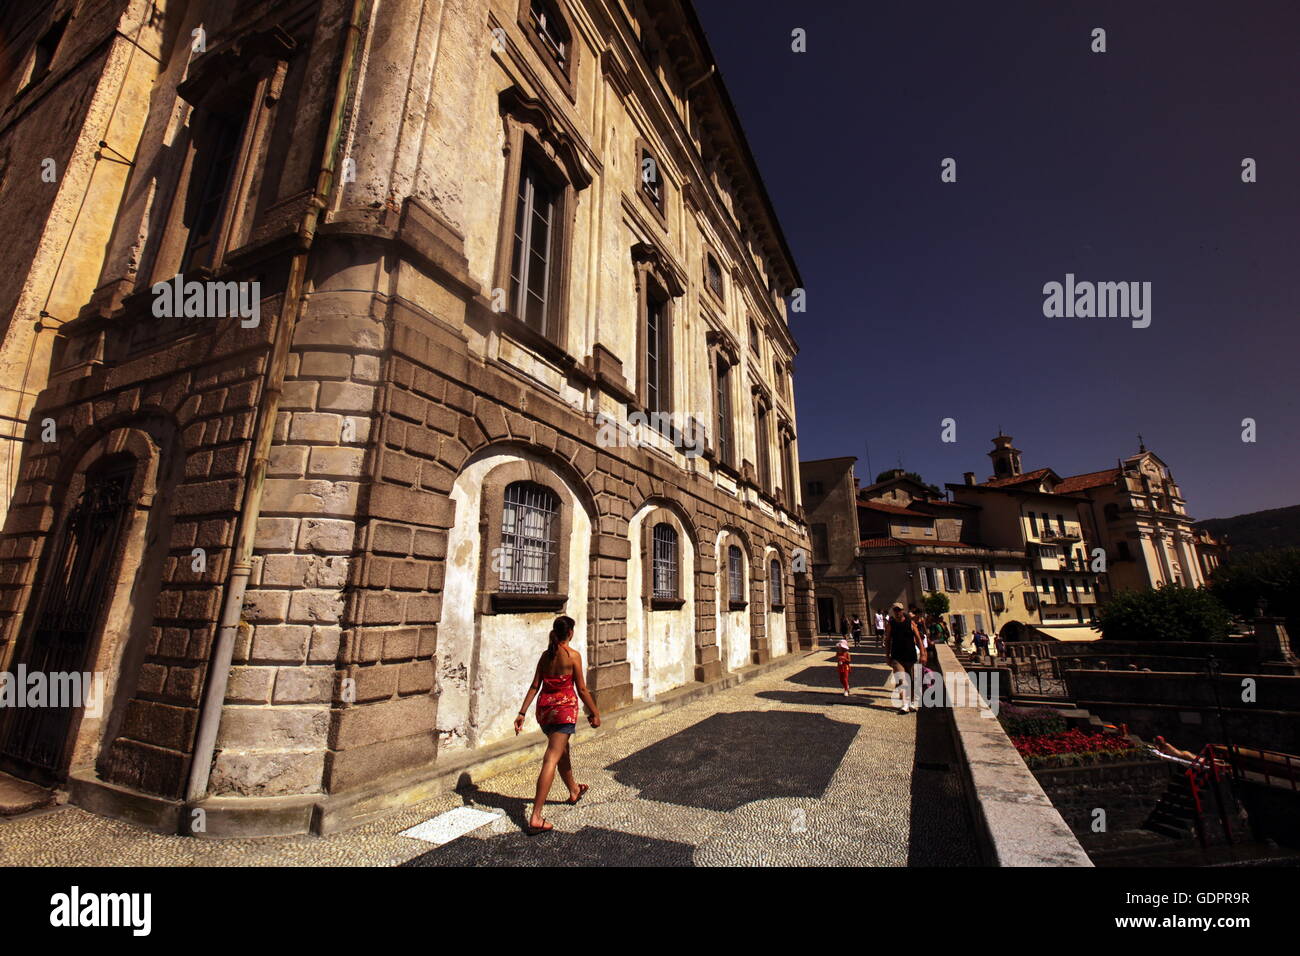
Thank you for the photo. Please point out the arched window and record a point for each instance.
(775, 586)
(665, 562)
(735, 576)
(529, 538)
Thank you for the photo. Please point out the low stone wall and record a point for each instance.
(1183, 708)
(1234, 655)
(1016, 823)
(1127, 791)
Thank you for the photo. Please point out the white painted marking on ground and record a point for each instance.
(446, 827)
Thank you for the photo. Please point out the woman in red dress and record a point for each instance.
(560, 678)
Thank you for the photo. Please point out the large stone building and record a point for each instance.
(482, 320)
(829, 492)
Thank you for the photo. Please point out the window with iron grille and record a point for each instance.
(735, 575)
(529, 532)
(532, 257)
(775, 586)
(665, 562)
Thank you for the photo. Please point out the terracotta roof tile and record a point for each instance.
(887, 542)
(1028, 476)
(1093, 479)
(892, 509)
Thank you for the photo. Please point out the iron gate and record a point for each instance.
(70, 605)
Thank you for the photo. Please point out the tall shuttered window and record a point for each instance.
(533, 252)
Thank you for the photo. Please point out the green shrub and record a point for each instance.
(1169, 613)
(936, 604)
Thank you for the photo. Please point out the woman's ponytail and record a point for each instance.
(560, 631)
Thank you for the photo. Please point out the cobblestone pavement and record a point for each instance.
(779, 770)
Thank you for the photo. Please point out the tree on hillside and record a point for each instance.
(1169, 613)
(1269, 576)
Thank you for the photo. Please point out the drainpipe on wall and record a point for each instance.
(214, 695)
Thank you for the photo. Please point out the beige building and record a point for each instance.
(73, 103)
(915, 543)
(1138, 514)
(479, 318)
(1211, 551)
(1036, 513)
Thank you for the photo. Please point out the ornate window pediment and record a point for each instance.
(530, 113)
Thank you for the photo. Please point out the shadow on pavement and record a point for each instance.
(727, 760)
(589, 846)
(823, 698)
(942, 833)
(820, 676)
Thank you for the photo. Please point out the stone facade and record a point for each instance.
(347, 526)
(829, 490)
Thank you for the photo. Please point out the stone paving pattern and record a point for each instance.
(779, 770)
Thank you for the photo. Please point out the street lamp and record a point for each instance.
(1213, 667)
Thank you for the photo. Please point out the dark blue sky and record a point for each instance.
(925, 298)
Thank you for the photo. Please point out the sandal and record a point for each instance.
(546, 827)
(582, 792)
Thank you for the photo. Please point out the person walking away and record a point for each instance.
(880, 629)
(902, 652)
(938, 631)
(560, 678)
(843, 663)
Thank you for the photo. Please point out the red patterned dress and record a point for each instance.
(557, 704)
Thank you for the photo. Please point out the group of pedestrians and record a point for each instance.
(908, 637)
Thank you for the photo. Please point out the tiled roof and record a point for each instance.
(893, 509)
(888, 542)
(939, 503)
(1093, 479)
(1028, 476)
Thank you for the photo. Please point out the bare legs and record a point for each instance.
(566, 771)
(902, 683)
(555, 758)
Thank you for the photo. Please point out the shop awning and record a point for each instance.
(1074, 634)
